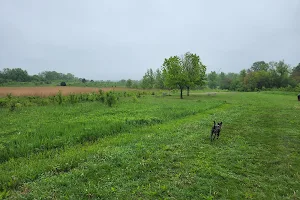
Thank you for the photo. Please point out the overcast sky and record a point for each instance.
(113, 40)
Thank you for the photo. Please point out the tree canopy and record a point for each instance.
(184, 72)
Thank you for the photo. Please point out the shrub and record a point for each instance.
(134, 99)
(18, 105)
(3, 103)
(12, 106)
(63, 84)
(72, 98)
(59, 98)
(100, 96)
(111, 99)
(9, 96)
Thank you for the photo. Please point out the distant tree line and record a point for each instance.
(260, 76)
(182, 72)
(20, 75)
(47, 77)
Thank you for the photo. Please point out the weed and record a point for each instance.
(59, 98)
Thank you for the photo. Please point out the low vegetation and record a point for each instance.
(153, 147)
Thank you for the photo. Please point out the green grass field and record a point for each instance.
(154, 148)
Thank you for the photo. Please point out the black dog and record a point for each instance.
(215, 131)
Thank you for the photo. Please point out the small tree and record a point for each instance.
(129, 83)
(175, 74)
(212, 80)
(159, 80)
(195, 70)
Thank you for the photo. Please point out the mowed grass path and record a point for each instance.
(156, 148)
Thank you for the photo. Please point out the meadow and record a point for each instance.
(153, 147)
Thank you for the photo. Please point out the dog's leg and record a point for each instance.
(212, 136)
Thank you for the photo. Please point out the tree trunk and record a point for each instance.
(181, 93)
(188, 90)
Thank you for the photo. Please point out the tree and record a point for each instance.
(175, 74)
(212, 78)
(35, 78)
(148, 80)
(234, 78)
(259, 66)
(53, 75)
(129, 83)
(223, 83)
(159, 80)
(69, 77)
(228, 81)
(296, 73)
(15, 74)
(195, 70)
(280, 73)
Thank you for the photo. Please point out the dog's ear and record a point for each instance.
(221, 123)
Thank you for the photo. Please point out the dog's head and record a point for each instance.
(218, 125)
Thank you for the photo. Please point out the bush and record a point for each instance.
(59, 98)
(12, 106)
(63, 84)
(111, 99)
(73, 98)
(134, 99)
(3, 103)
(100, 96)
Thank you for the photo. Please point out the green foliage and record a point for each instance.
(296, 74)
(195, 70)
(260, 66)
(148, 80)
(59, 98)
(101, 96)
(159, 80)
(111, 98)
(73, 98)
(12, 105)
(15, 74)
(129, 83)
(134, 99)
(260, 75)
(212, 80)
(53, 75)
(175, 74)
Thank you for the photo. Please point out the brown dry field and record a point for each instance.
(48, 91)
